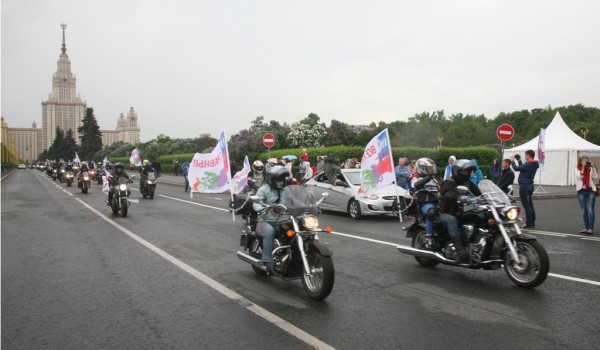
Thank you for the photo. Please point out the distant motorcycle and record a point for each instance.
(297, 251)
(69, 178)
(489, 226)
(61, 174)
(148, 185)
(85, 182)
(54, 174)
(120, 198)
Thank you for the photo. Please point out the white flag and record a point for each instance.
(541, 151)
(377, 169)
(76, 159)
(240, 179)
(210, 172)
(136, 158)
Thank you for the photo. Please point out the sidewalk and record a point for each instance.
(543, 192)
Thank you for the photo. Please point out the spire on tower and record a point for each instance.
(64, 46)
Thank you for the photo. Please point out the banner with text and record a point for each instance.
(377, 168)
(209, 172)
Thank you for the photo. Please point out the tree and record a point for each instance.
(55, 152)
(304, 135)
(90, 136)
(339, 133)
(70, 145)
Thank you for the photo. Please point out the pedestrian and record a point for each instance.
(308, 174)
(184, 171)
(496, 170)
(320, 164)
(156, 166)
(176, 167)
(302, 167)
(477, 175)
(412, 166)
(507, 177)
(527, 171)
(289, 165)
(586, 192)
(403, 175)
(304, 155)
(448, 171)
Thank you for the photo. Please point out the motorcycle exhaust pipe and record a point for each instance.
(423, 254)
(251, 260)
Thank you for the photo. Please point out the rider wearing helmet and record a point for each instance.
(270, 194)
(144, 170)
(113, 180)
(256, 176)
(462, 169)
(84, 167)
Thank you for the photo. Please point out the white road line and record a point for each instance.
(574, 279)
(190, 202)
(259, 311)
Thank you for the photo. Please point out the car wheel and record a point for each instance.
(354, 209)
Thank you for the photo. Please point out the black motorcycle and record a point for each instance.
(85, 181)
(120, 197)
(489, 226)
(148, 185)
(61, 174)
(297, 251)
(69, 178)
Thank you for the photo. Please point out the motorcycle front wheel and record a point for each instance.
(151, 192)
(84, 188)
(533, 267)
(320, 282)
(124, 207)
(418, 241)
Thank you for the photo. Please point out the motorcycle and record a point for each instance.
(61, 174)
(297, 251)
(148, 185)
(84, 181)
(93, 175)
(54, 174)
(120, 198)
(69, 178)
(493, 238)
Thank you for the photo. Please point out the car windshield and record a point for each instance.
(353, 177)
(493, 194)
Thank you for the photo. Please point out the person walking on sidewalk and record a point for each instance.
(527, 171)
(586, 175)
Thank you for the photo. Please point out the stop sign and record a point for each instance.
(268, 140)
(505, 132)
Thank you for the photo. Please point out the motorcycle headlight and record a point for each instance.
(511, 213)
(149, 182)
(310, 222)
(62, 171)
(85, 178)
(123, 187)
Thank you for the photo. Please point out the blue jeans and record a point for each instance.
(587, 202)
(267, 231)
(450, 223)
(526, 195)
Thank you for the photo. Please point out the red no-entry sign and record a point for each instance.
(269, 140)
(505, 132)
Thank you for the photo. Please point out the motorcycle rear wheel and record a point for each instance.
(534, 264)
(320, 282)
(418, 241)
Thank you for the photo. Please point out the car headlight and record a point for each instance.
(511, 213)
(123, 187)
(310, 222)
(372, 197)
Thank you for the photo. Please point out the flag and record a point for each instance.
(377, 169)
(541, 151)
(209, 172)
(136, 158)
(240, 179)
(105, 186)
(76, 159)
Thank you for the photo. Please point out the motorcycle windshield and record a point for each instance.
(151, 176)
(122, 181)
(493, 194)
(299, 201)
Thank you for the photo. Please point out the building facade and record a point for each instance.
(65, 109)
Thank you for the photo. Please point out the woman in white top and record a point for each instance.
(586, 192)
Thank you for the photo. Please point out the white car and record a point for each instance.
(343, 196)
(22, 166)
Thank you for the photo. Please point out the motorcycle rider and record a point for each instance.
(144, 170)
(461, 176)
(84, 167)
(113, 180)
(270, 193)
(256, 176)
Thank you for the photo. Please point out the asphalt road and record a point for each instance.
(167, 277)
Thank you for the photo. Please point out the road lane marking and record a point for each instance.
(190, 202)
(239, 299)
(574, 279)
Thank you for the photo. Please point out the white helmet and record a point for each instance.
(258, 166)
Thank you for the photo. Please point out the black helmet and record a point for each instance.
(119, 165)
(462, 170)
(425, 166)
(278, 176)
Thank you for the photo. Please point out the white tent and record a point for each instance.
(563, 146)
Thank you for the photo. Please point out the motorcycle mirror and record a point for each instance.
(463, 189)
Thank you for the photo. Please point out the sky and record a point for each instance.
(195, 67)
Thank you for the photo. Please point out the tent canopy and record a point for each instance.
(562, 147)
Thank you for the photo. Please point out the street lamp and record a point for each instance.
(440, 139)
(584, 133)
